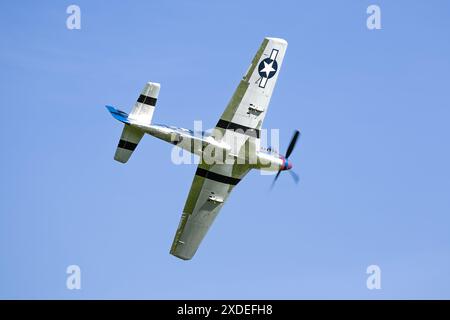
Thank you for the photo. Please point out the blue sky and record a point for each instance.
(373, 108)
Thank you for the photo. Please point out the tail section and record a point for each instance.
(128, 142)
(141, 114)
(118, 114)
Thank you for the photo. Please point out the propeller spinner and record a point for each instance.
(287, 165)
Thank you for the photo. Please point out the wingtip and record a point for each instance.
(278, 40)
(154, 84)
(180, 256)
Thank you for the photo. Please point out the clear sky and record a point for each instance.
(373, 107)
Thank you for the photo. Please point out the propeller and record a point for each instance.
(294, 176)
(287, 165)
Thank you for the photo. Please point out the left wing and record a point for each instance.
(210, 189)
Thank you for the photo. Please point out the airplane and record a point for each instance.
(235, 142)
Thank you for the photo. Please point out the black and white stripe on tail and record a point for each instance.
(141, 114)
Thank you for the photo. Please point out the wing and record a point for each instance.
(210, 189)
(241, 120)
(248, 106)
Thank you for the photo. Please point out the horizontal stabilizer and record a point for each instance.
(144, 107)
(141, 115)
(128, 142)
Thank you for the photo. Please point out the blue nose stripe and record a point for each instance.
(286, 163)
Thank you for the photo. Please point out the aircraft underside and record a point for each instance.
(226, 154)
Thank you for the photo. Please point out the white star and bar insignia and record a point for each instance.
(267, 68)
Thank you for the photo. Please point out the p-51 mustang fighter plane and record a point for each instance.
(236, 138)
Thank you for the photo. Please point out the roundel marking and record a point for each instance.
(267, 68)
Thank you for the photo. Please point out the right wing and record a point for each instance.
(248, 107)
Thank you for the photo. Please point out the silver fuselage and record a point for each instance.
(198, 142)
